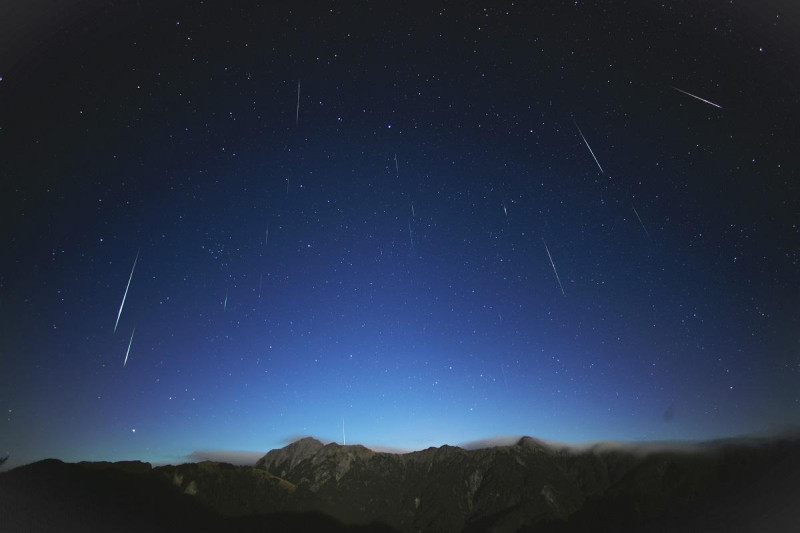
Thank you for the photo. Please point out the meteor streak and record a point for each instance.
(129, 349)
(119, 313)
(640, 222)
(589, 147)
(709, 102)
(552, 264)
(297, 114)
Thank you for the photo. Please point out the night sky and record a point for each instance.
(421, 245)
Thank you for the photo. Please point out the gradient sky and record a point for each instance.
(410, 200)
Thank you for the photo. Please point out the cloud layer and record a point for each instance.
(249, 458)
(235, 457)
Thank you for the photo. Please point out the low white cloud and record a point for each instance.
(234, 457)
(507, 440)
(636, 448)
(249, 458)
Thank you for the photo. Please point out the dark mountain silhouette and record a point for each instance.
(527, 486)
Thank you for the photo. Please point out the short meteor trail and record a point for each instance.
(709, 102)
(297, 114)
(266, 237)
(505, 210)
(552, 264)
(640, 222)
(396, 166)
(589, 147)
(413, 214)
(225, 303)
(410, 235)
(129, 349)
(119, 313)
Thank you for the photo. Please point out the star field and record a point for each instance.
(433, 223)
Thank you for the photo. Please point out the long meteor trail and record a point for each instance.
(504, 375)
(589, 147)
(297, 114)
(709, 102)
(129, 349)
(642, 223)
(552, 264)
(119, 313)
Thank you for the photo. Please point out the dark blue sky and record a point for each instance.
(410, 202)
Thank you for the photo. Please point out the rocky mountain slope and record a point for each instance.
(507, 488)
(528, 486)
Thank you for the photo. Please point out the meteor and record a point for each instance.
(640, 222)
(552, 264)
(129, 349)
(589, 147)
(709, 102)
(297, 114)
(119, 313)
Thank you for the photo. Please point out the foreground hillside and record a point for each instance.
(529, 486)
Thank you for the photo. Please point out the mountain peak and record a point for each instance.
(307, 441)
(531, 443)
(291, 455)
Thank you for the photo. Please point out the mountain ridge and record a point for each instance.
(522, 486)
